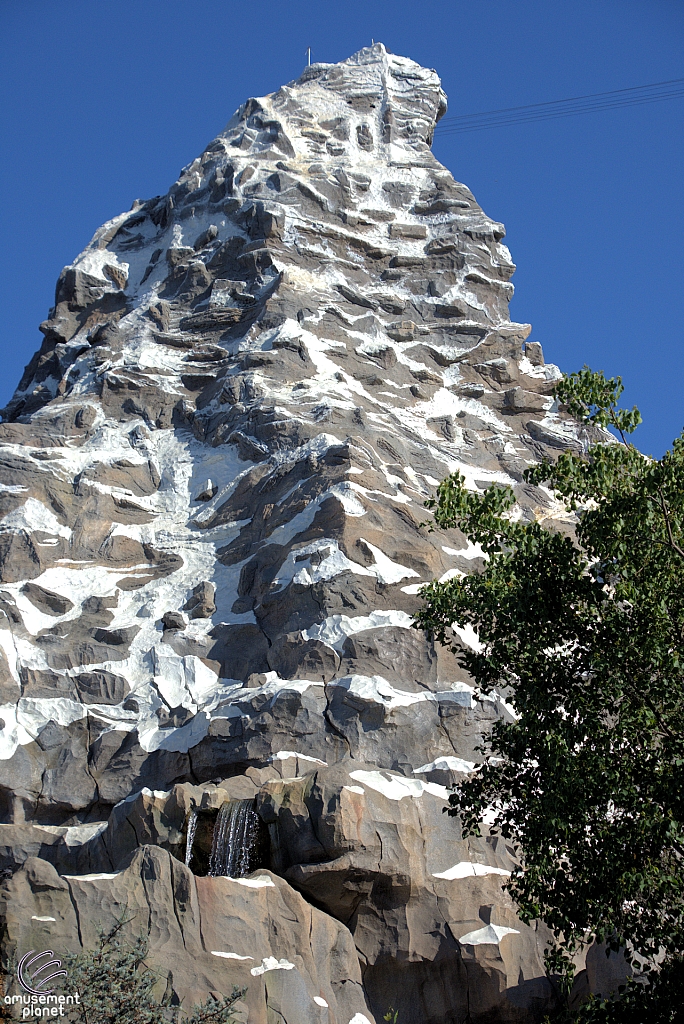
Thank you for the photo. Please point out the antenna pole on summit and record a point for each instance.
(308, 53)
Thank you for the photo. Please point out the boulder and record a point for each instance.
(519, 400)
(201, 604)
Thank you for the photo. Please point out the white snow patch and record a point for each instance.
(8, 646)
(156, 794)
(319, 1001)
(34, 713)
(324, 560)
(379, 690)
(269, 963)
(373, 494)
(447, 763)
(93, 260)
(468, 869)
(36, 918)
(33, 515)
(396, 787)
(446, 403)
(159, 794)
(303, 520)
(334, 630)
(285, 534)
(151, 737)
(230, 956)
(271, 688)
(475, 476)
(93, 878)
(471, 551)
(547, 372)
(451, 574)
(260, 882)
(359, 790)
(492, 935)
(320, 560)
(76, 835)
(183, 681)
(469, 637)
(344, 492)
(385, 569)
(14, 732)
(359, 1018)
(283, 755)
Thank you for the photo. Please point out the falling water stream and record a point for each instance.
(190, 836)
(235, 839)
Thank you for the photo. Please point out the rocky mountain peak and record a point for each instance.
(376, 93)
(213, 477)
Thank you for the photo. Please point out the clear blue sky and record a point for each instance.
(105, 102)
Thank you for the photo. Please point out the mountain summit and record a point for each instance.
(211, 551)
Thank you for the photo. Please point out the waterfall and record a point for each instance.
(235, 838)
(190, 836)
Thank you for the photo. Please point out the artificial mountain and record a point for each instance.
(212, 486)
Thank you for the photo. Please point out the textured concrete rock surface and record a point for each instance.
(206, 934)
(212, 486)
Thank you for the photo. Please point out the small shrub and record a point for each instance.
(115, 987)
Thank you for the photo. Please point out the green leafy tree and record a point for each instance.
(662, 1002)
(585, 635)
(115, 986)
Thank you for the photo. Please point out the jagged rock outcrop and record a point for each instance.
(212, 479)
(207, 934)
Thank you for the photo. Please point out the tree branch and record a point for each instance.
(673, 544)
(618, 428)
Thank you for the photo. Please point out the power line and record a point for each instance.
(571, 99)
(475, 126)
(589, 103)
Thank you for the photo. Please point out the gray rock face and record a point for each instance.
(205, 934)
(374, 849)
(211, 546)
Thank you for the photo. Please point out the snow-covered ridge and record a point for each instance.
(213, 541)
(216, 471)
